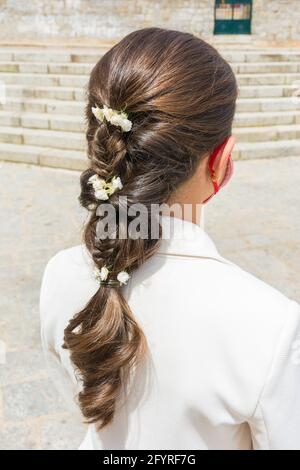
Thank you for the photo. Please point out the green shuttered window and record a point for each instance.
(233, 16)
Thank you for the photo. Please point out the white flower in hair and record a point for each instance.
(122, 121)
(108, 112)
(99, 186)
(102, 188)
(98, 113)
(93, 178)
(116, 183)
(97, 182)
(97, 274)
(101, 194)
(101, 274)
(116, 118)
(104, 273)
(123, 277)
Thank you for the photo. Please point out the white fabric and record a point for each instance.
(222, 369)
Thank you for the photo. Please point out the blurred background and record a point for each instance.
(47, 49)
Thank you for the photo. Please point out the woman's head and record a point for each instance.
(180, 96)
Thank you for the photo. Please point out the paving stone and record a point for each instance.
(18, 436)
(22, 366)
(31, 399)
(62, 433)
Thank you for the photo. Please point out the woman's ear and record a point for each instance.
(221, 161)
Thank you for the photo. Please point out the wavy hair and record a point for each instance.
(180, 95)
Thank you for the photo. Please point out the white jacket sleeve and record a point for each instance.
(275, 424)
(52, 330)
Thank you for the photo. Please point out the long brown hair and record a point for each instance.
(180, 95)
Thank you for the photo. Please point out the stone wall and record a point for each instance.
(75, 20)
(276, 19)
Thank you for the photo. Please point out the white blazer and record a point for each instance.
(223, 370)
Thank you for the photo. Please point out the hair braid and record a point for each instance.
(108, 331)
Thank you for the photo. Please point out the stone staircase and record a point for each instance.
(42, 122)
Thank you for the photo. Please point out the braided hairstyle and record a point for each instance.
(180, 95)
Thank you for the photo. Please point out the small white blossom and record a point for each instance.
(116, 183)
(108, 112)
(98, 113)
(104, 273)
(104, 189)
(96, 181)
(113, 116)
(99, 184)
(97, 273)
(123, 122)
(93, 178)
(101, 274)
(101, 194)
(123, 277)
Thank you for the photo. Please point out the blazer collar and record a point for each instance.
(183, 238)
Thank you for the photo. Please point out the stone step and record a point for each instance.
(43, 137)
(35, 79)
(46, 68)
(52, 93)
(55, 122)
(69, 68)
(266, 67)
(278, 148)
(268, 104)
(267, 79)
(45, 156)
(27, 54)
(76, 55)
(267, 91)
(263, 56)
(266, 118)
(43, 105)
(267, 133)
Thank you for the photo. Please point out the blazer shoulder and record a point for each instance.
(252, 283)
(253, 302)
(235, 288)
(67, 274)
